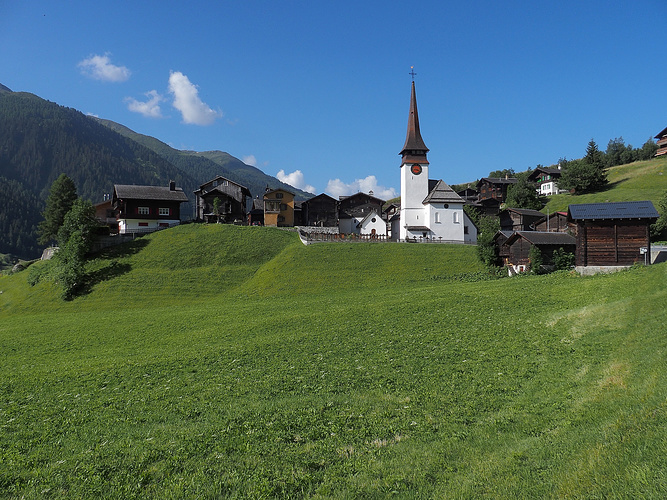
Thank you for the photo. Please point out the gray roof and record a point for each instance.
(543, 238)
(613, 210)
(442, 193)
(159, 193)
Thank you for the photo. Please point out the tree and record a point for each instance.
(501, 174)
(487, 227)
(659, 229)
(535, 258)
(648, 149)
(523, 194)
(60, 201)
(563, 259)
(81, 219)
(586, 175)
(216, 209)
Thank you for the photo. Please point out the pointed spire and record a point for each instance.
(414, 150)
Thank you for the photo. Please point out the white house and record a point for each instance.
(430, 209)
(373, 225)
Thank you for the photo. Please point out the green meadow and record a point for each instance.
(638, 181)
(211, 361)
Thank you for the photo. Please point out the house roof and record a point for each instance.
(545, 170)
(372, 213)
(208, 187)
(542, 238)
(613, 210)
(442, 193)
(271, 191)
(158, 193)
(526, 211)
(661, 134)
(497, 180)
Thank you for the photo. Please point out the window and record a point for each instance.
(437, 217)
(164, 211)
(456, 217)
(144, 211)
(283, 207)
(279, 195)
(143, 224)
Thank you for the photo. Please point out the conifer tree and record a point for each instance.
(60, 201)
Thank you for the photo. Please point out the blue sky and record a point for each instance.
(317, 92)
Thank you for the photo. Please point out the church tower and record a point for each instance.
(414, 177)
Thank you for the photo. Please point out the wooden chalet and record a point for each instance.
(494, 188)
(468, 194)
(661, 142)
(519, 219)
(503, 251)
(518, 245)
(232, 199)
(256, 213)
(546, 179)
(553, 223)
(142, 209)
(278, 208)
(612, 234)
(321, 210)
(353, 209)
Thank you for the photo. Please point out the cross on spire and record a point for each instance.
(412, 73)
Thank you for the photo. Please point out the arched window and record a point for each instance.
(456, 217)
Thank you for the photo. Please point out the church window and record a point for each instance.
(456, 217)
(437, 217)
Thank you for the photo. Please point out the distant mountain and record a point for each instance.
(206, 165)
(39, 140)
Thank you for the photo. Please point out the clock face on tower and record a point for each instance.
(416, 169)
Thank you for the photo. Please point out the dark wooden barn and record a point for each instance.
(519, 219)
(321, 210)
(553, 223)
(519, 244)
(612, 234)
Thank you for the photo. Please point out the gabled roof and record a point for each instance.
(203, 189)
(157, 193)
(613, 210)
(271, 191)
(525, 211)
(323, 196)
(542, 238)
(370, 214)
(442, 193)
(359, 193)
(661, 134)
(497, 180)
(545, 170)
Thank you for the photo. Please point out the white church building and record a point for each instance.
(430, 209)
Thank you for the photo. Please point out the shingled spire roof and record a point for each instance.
(414, 150)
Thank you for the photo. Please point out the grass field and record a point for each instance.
(234, 362)
(638, 181)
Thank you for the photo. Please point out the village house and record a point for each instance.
(278, 208)
(519, 219)
(231, 201)
(546, 179)
(352, 210)
(516, 251)
(661, 143)
(555, 222)
(143, 209)
(321, 210)
(610, 235)
(494, 188)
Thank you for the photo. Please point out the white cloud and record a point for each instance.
(100, 68)
(187, 101)
(336, 188)
(250, 160)
(150, 108)
(296, 180)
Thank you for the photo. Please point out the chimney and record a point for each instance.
(172, 185)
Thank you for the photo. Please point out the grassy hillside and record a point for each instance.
(235, 362)
(642, 180)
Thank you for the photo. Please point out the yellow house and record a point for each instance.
(278, 208)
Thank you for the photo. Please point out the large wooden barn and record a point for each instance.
(612, 234)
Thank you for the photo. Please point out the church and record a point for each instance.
(430, 209)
